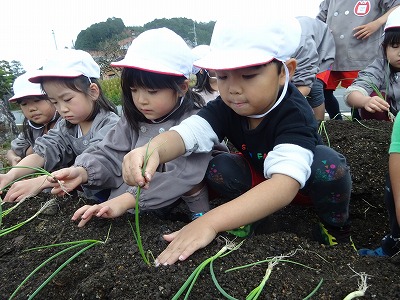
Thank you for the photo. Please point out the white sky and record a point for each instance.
(26, 26)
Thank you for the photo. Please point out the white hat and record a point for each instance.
(68, 63)
(393, 20)
(238, 43)
(22, 87)
(159, 51)
(198, 52)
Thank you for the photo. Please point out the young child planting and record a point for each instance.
(69, 78)
(379, 77)
(40, 116)
(270, 122)
(156, 96)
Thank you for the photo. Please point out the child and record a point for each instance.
(156, 97)
(40, 116)
(206, 82)
(356, 27)
(69, 79)
(382, 74)
(390, 244)
(268, 120)
(314, 57)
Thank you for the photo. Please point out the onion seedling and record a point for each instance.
(189, 283)
(136, 228)
(272, 262)
(362, 286)
(87, 244)
(5, 231)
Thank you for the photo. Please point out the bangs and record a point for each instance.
(149, 80)
(392, 37)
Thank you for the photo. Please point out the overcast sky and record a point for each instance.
(27, 26)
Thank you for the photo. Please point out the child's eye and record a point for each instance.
(249, 76)
(133, 90)
(67, 100)
(221, 77)
(152, 91)
(395, 45)
(23, 104)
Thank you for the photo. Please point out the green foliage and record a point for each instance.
(185, 28)
(112, 89)
(92, 37)
(8, 72)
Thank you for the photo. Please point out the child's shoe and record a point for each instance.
(242, 231)
(390, 246)
(330, 235)
(368, 252)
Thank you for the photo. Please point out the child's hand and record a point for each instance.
(376, 104)
(85, 213)
(4, 180)
(133, 163)
(185, 242)
(15, 160)
(26, 188)
(69, 178)
(111, 208)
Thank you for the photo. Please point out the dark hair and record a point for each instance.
(81, 84)
(391, 37)
(131, 77)
(26, 128)
(203, 82)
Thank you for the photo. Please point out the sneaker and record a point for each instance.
(333, 236)
(378, 252)
(197, 215)
(242, 231)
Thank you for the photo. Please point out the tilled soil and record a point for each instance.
(115, 269)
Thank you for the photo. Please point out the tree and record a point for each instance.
(185, 28)
(91, 38)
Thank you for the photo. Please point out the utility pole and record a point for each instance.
(54, 38)
(194, 32)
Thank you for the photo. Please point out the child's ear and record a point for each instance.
(291, 64)
(184, 87)
(94, 91)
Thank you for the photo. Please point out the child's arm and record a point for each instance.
(33, 160)
(70, 178)
(13, 158)
(359, 99)
(27, 188)
(109, 209)
(394, 172)
(259, 202)
(162, 148)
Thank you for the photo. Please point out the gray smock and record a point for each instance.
(60, 146)
(103, 163)
(315, 53)
(342, 16)
(375, 73)
(21, 143)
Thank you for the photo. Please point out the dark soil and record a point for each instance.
(115, 270)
